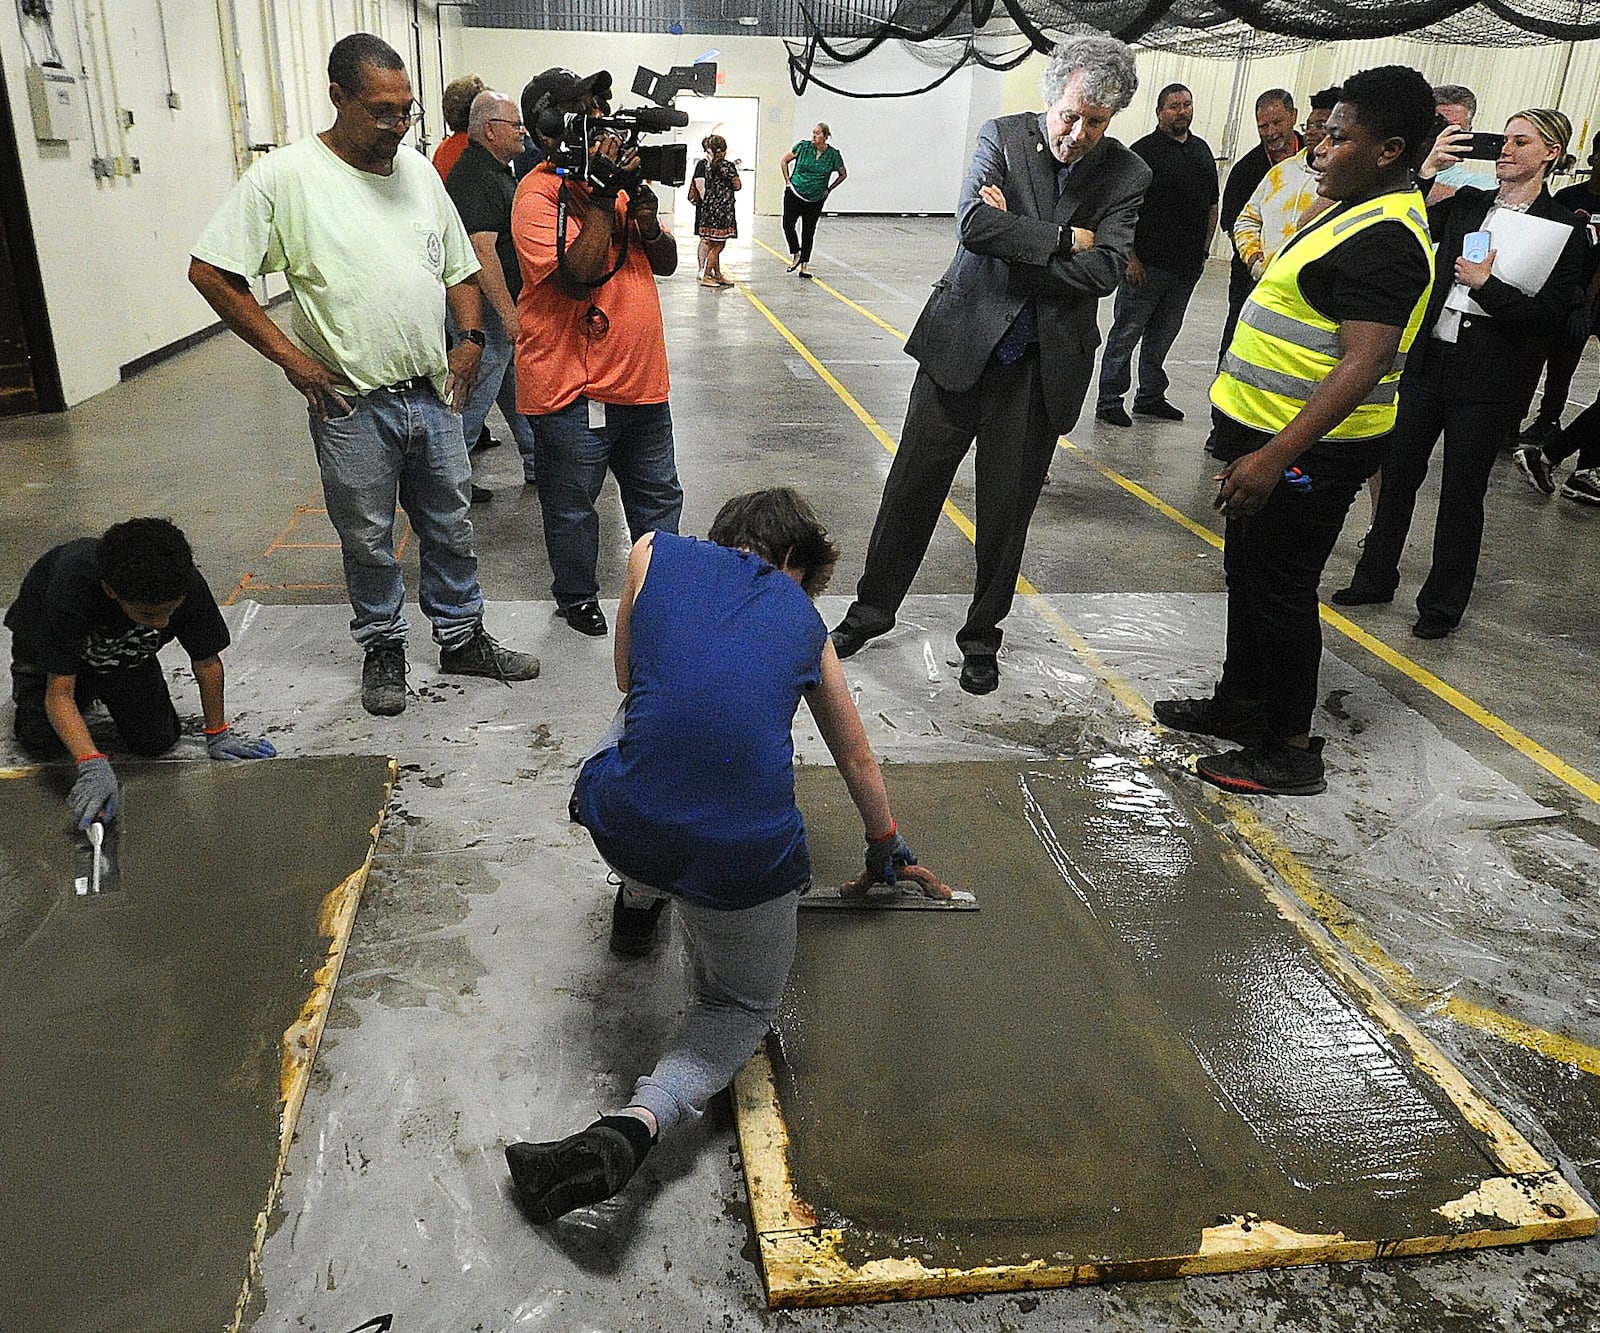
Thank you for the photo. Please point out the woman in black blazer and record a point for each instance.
(1470, 377)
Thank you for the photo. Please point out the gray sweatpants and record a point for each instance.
(741, 966)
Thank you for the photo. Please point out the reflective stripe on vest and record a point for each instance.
(1284, 347)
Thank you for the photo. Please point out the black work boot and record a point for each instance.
(585, 1168)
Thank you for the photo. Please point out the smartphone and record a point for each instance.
(1485, 147)
(1475, 246)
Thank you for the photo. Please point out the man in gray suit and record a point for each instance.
(1006, 343)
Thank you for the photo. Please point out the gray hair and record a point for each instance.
(484, 105)
(1455, 94)
(1109, 77)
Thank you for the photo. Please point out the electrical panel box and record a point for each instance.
(57, 108)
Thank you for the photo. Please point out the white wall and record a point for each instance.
(113, 253)
(904, 154)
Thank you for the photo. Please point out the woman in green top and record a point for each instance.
(813, 170)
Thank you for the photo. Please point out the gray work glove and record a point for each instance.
(228, 744)
(887, 856)
(94, 794)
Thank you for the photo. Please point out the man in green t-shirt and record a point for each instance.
(374, 252)
(813, 170)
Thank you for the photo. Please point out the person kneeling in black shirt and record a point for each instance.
(86, 625)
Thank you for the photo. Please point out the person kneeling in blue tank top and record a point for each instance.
(690, 795)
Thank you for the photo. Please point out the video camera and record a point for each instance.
(666, 164)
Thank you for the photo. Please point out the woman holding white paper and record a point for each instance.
(1490, 324)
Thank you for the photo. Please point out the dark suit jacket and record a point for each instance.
(1495, 360)
(1008, 255)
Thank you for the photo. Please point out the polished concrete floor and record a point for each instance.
(1460, 837)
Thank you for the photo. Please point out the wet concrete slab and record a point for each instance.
(1127, 1048)
(152, 1036)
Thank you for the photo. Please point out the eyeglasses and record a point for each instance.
(392, 120)
(501, 120)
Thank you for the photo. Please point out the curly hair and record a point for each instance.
(781, 527)
(146, 560)
(1109, 77)
(1394, 102)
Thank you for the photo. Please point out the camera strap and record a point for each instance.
(562, 196)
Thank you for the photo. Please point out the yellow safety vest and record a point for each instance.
(1283, 347)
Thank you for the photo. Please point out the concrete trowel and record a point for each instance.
(904, 896)
(99, 866)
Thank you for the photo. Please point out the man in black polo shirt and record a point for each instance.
(482, 187)
(1176, 224)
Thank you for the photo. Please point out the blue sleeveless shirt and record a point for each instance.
(697, 796)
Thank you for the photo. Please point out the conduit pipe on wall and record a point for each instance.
(122, 162)
(274, 54)
(233, 78)
(90, 86)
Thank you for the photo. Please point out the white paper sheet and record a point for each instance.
(1526, 252)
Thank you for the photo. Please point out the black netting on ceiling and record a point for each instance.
(948, 34)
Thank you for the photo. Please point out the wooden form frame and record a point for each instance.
(806, 1264)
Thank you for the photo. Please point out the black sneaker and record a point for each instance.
(1211, 717)
(1267, 768)
(1159, 408)
(582, 1169)
(480, 655)
(633, 929)
(1113, 414)
(383, 679)
(1583, 486)
(1531, 463)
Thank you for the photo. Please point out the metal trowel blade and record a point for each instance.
(887, 897)
(97, 862)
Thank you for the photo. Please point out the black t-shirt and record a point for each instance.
(63, 623)
(1375, 277)
(1580, 199)
(482, 191)
(1171, 232)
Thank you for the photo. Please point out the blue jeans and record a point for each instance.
(636, 444)
(404, 444)
(497, 383)
(1151, 314)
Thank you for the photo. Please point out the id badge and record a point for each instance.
(597, 415)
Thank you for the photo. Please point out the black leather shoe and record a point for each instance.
(585, 617)
(1113, 414)
(1430, 626)
(848, 639)
(481, 494)
(1160, 408)
(1359, 595)
(980, 673)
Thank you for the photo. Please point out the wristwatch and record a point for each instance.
(474, 336)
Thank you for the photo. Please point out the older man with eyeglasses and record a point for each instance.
(374, 253)
(591, 347)
(482, 187)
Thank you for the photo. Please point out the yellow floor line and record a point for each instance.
(1335, 916)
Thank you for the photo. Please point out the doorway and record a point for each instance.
(735, 119)
(29, 378)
